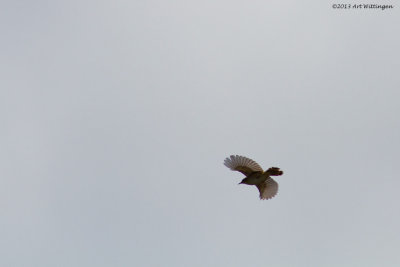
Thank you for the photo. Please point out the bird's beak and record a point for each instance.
(239, 183)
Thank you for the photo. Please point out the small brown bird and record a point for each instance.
(255, 175)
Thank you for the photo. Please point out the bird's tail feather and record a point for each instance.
(274, 171)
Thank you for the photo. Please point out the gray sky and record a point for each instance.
(116, 118)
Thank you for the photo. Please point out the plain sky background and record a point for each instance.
(116, 117)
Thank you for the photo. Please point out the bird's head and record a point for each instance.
(244, 181)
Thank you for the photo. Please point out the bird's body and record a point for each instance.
(255, 175)
(254, 178)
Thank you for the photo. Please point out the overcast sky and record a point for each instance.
(116, 117)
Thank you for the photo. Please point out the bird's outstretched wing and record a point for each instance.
(268, 189)
(242, 164)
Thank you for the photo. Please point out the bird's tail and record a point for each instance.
(274, 171)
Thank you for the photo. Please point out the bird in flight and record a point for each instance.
(255, 175)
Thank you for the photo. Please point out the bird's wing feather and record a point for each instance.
(242, 164)
(268, 189)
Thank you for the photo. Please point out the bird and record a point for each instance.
(255, 175)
